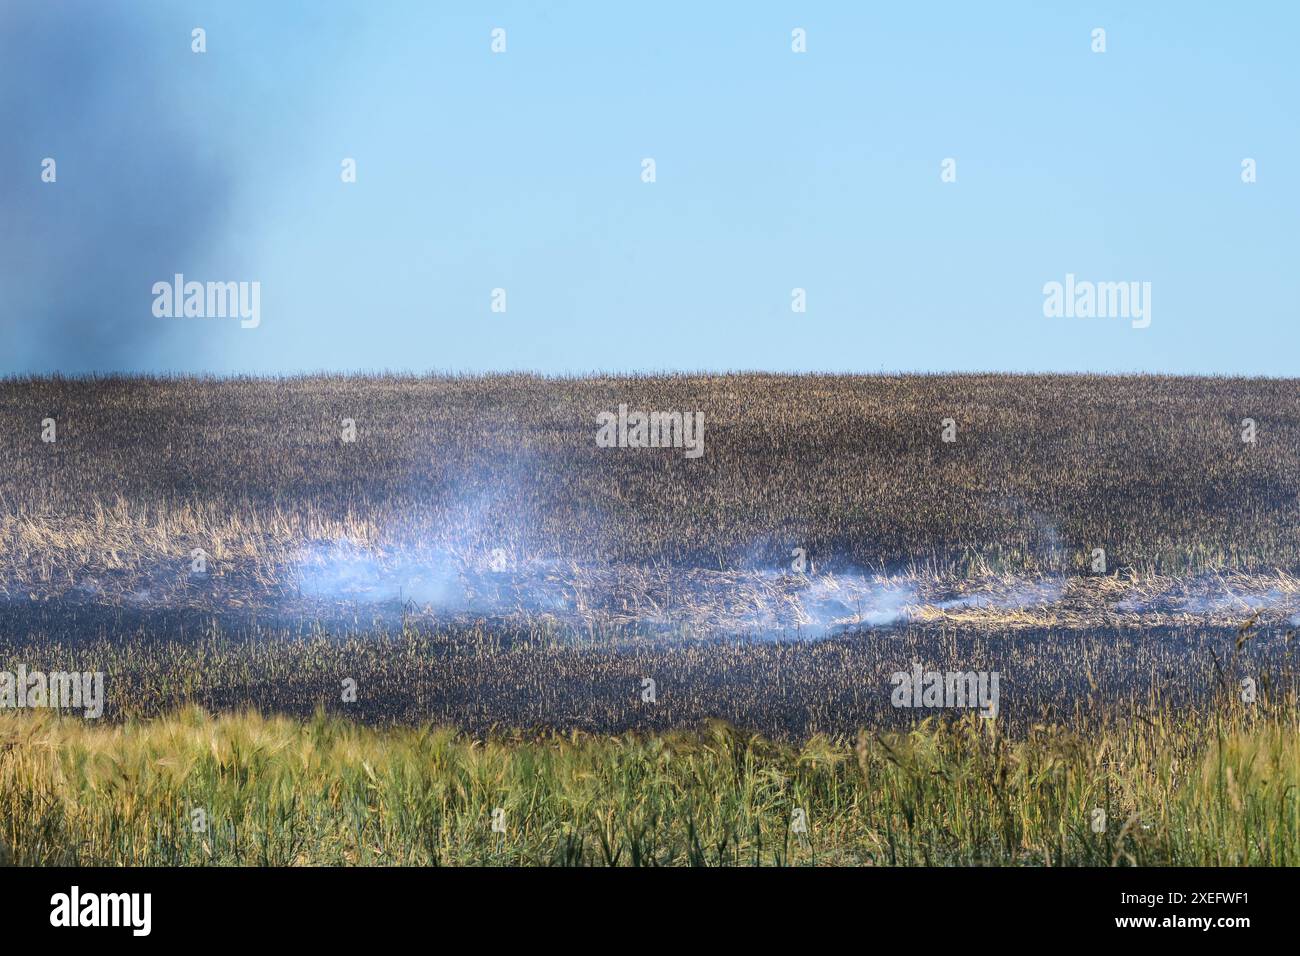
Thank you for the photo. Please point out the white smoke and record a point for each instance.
(1025, 594)
(448, 582)
(344, 571)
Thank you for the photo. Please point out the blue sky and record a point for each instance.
(775, 170)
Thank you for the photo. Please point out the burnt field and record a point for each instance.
(360, 620)
(491, 678)
(854, 469)
(466, 552)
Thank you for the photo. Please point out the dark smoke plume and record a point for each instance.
(106, 91)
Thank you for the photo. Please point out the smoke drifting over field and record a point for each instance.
(456, 570)
(764, 603)
(487, 498)
(659, 598)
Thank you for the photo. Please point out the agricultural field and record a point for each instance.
(365, 619)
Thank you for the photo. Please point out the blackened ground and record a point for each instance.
(496, 675)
